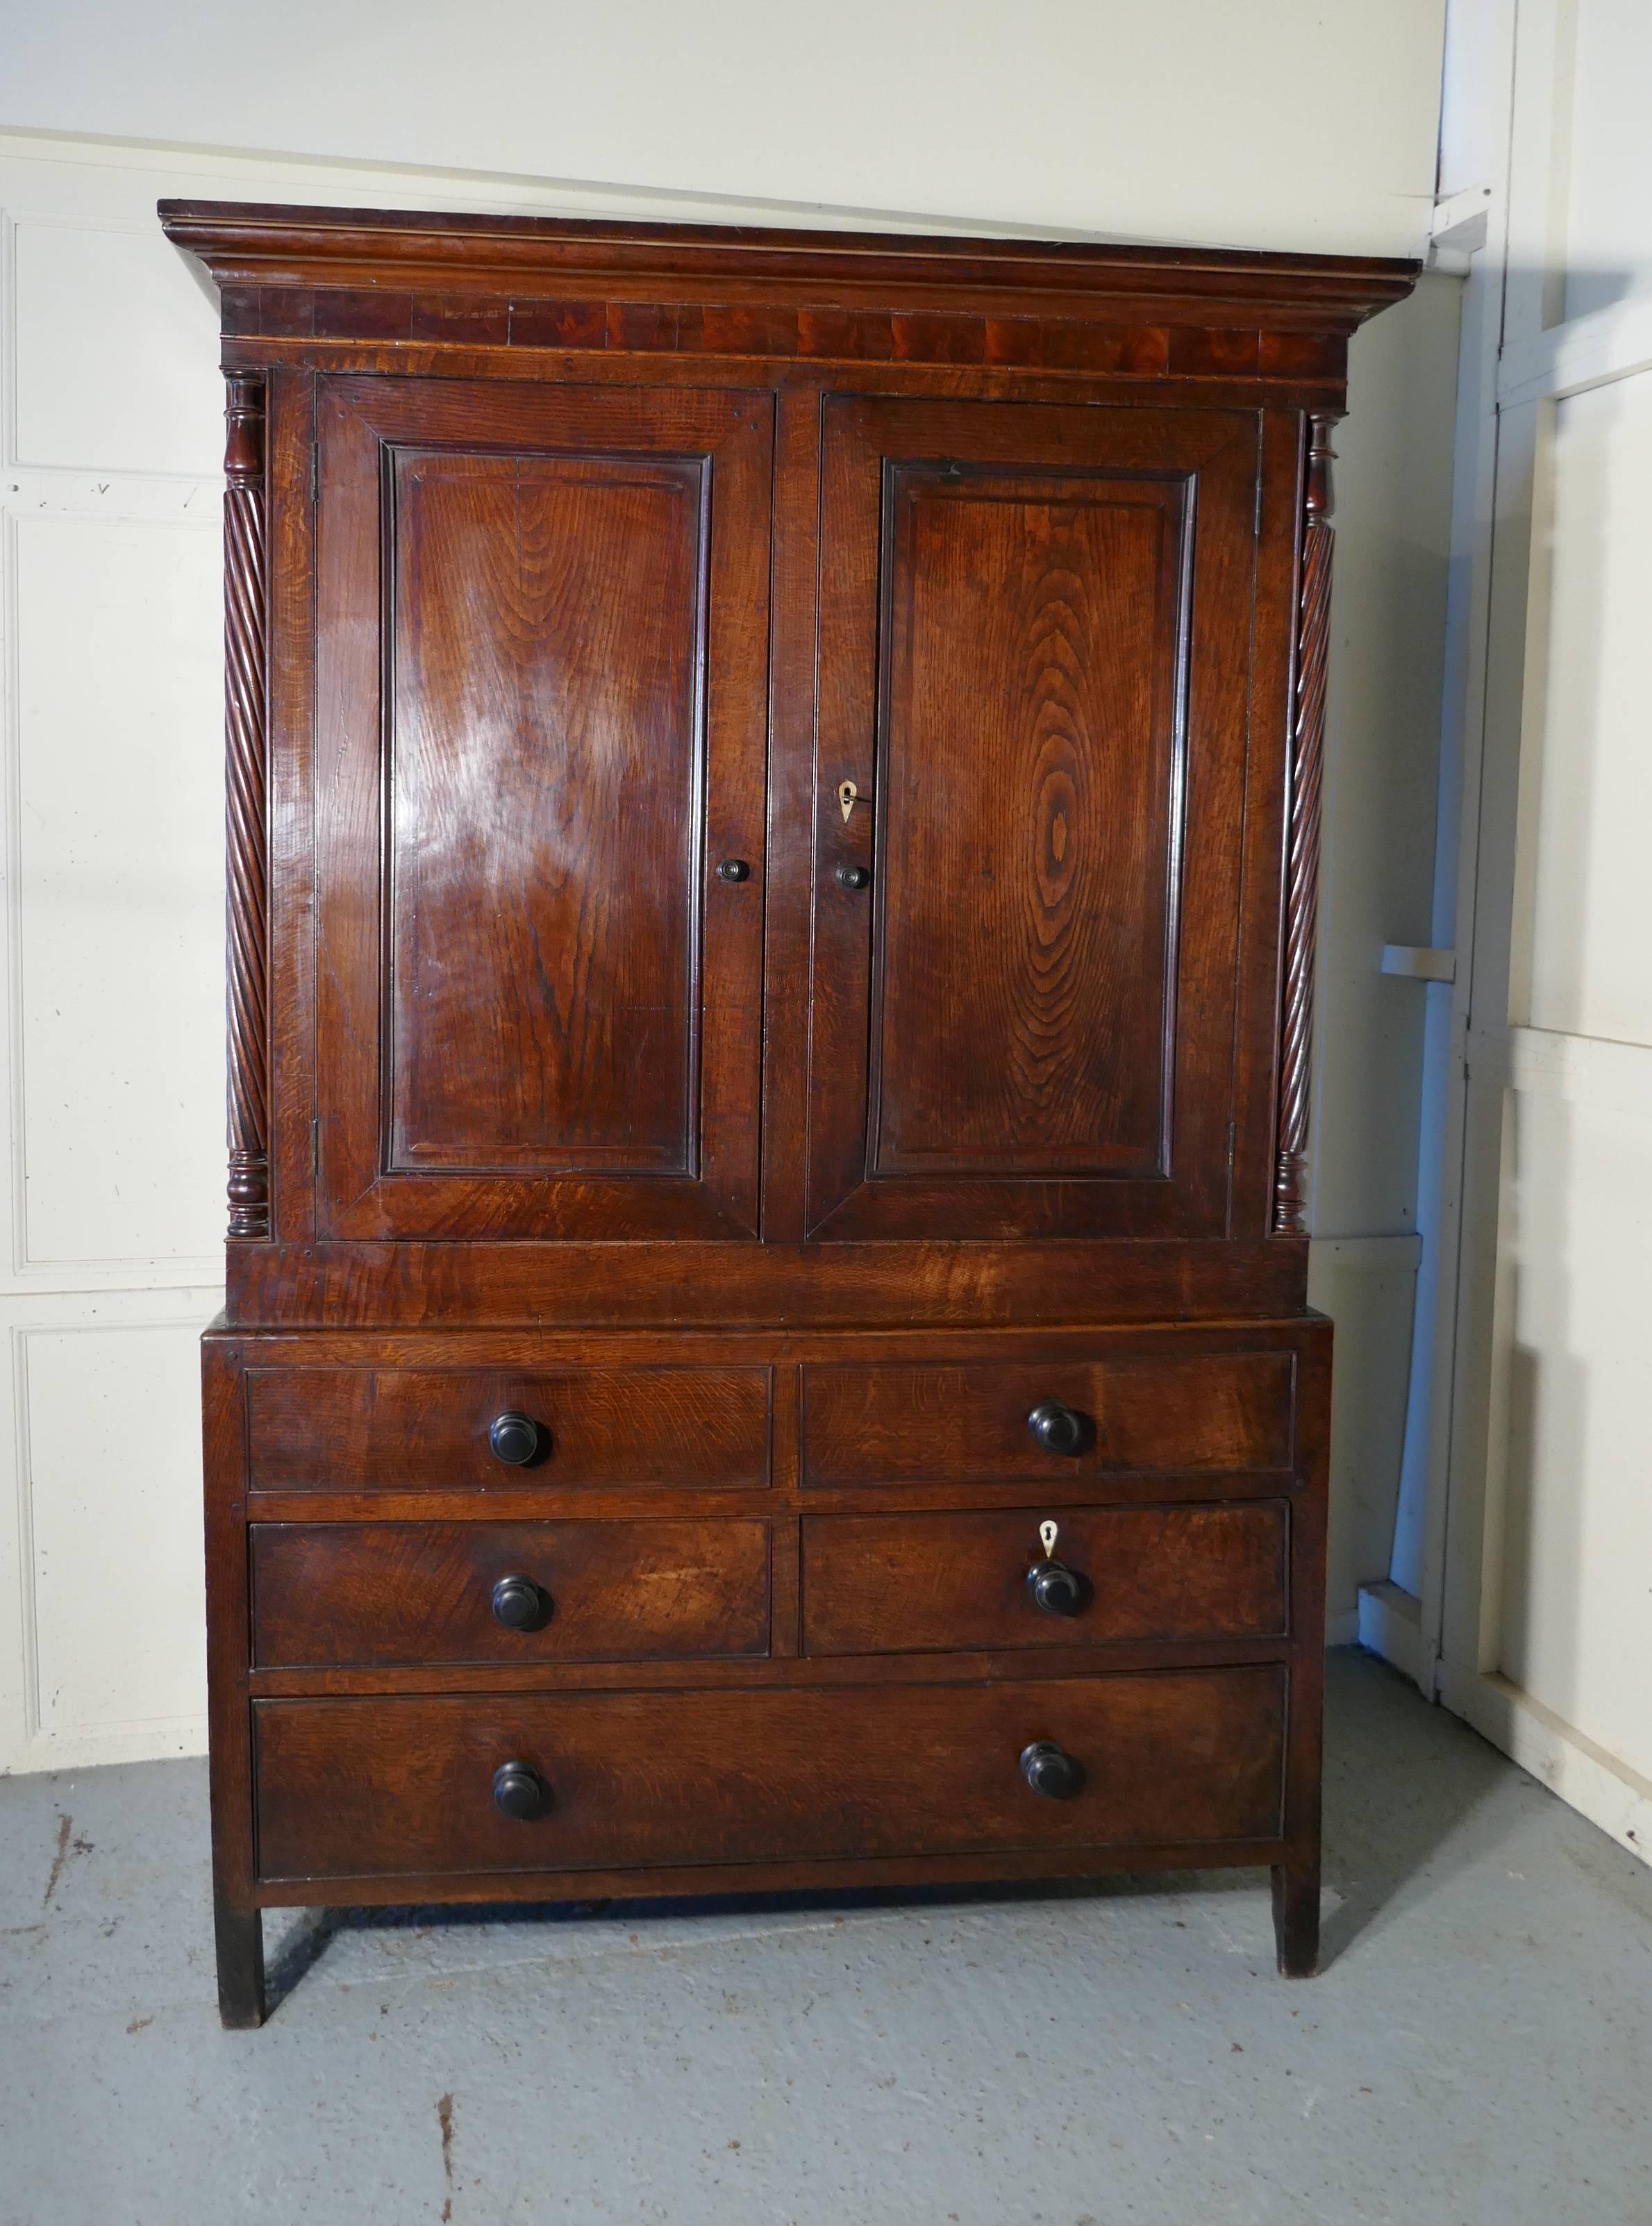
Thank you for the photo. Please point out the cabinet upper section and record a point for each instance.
(801, 746)
(296, 276)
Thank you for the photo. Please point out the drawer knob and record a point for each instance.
(1055, 1587)
(518, 1604)
(519, 1791)
(853, 877)
(1050, 1771)
(514, 1438)
(1056, 1427)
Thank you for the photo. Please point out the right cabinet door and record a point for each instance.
(1034, 664)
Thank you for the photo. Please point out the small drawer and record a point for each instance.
(1045, 1421)
(628, 1781)
(371, 1595)
(395, 1429)
(880, 1584)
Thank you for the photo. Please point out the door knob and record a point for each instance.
(734, 869)
(514, 1438)
(520, 1792)
(1050, 1772)
(518, 1604)
(853, 877)
(1056, 1427)
(1055, 1588)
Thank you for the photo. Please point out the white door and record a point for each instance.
(1544, 1573)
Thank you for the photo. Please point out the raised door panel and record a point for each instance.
(542, 672)
(1034, 664)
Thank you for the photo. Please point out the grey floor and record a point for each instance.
(1479, 2047)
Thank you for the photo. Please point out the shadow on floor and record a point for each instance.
(1403, 1783)
(1401, 1779)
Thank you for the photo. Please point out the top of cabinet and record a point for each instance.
(383, 276)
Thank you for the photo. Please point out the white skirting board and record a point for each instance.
(1390, 1625)
(1569, 1762)
(1607, 1791)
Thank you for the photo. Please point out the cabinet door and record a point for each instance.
(541, 705)
(1034, 657)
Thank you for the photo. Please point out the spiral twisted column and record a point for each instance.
(1302, 880)
(246, 790)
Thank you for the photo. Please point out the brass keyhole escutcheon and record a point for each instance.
(848, 797)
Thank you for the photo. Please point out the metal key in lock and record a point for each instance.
(1055, 1588)
(848, 796)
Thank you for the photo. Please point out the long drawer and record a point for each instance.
(959, 1423)
(885, 1584)
(374, 1594)
(408, 1429)
(409, 1787)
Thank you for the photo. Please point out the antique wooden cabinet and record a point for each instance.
(772, 817)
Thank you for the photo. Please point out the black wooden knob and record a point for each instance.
(734, 869)
(518, 1604)
(1050, 1772)
(514, 1438)
(1056, 1427)
(1054, 1587)
(519, 1791)
(853, 877)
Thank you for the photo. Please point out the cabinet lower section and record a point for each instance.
(809, 1609)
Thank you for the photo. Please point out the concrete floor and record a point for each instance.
(1479, 2048)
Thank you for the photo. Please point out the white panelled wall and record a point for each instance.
(112, 683)
(113, 803)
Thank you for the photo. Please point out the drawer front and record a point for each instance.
(880, 1584)
(374, 1594)
(385, 1429)
(960, 1422)
(381, 1788)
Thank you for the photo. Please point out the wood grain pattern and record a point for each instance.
(1302, 887)
(893, 1584)
(563, 283)
(544, 783)
(238, 1927)
(407, 1429)
(364, 1786)
(545, 1019)
(245, 779)
(920, 1422)
(1027, 781)
(868, 1286)
(380, 1594)
(1008, 1043)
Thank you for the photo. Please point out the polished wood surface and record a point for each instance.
(394, 1429)
(961, 1424)
(1302, 893)
(1023, 1025)
(542, 758)
(545, 1018)
(588, 289)
(772, 865)
(246, 807)
(380, 1785)
(1026, 776)
(374, 1594)
(888, 1584)
(868, 1286)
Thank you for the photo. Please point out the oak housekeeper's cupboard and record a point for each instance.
(772, 840)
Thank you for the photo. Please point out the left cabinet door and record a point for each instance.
(542, 672)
